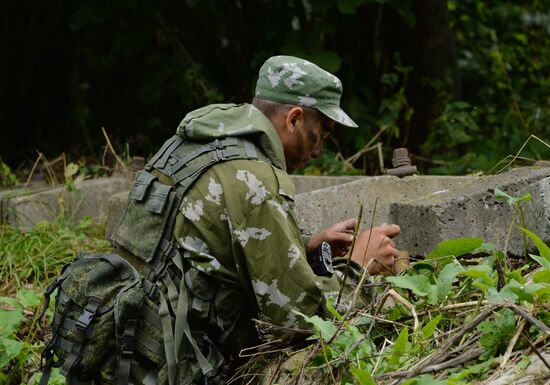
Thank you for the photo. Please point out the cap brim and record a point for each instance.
(338, 115)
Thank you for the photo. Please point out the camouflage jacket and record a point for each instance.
(245, 253)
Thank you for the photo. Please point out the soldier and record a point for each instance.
(242, 253)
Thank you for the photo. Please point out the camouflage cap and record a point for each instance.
(291, 80)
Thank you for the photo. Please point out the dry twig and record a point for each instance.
(110, 147)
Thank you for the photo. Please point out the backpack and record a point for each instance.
(124, 315)
(99, 298)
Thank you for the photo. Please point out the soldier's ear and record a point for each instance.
(294, 118)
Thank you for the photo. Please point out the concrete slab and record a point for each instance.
(472, 211)
(26, 208)
(307, 183)
(319, 209)
(536, 212)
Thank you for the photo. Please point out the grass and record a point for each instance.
(35, 256)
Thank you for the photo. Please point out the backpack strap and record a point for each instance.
(81, 327)
(127, 347)
(161, 157)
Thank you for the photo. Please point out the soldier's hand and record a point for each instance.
(380, 249)
(338, 236)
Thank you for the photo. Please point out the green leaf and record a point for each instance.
(363, 376)
(504, 295)
(496, 334)
(11, 315)
(485, 247)
(419, 284)
(332, 309)
(433, 296)
(9, 349)
(479, 273)
(542, 276)
(326, 328)
(482, 367)
(544, 250)
(541, 260)
(400, 346)
(56, 378)
(29, 298)
(71, 170)
(499, 194)
(445, 280)
(454, 247)
(429, 329)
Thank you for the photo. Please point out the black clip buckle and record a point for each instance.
(88, 314)
(128, 341)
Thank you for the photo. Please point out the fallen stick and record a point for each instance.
(435, 357)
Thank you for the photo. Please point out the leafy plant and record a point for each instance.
(7, 177)
(454, 314)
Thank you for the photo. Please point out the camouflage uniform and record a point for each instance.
(238, 227)
(243, 253)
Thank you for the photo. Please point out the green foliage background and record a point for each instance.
(460, 83)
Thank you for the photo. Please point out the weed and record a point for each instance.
(7, 177)
(34, 257)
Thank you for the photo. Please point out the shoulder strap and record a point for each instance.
(185, 162)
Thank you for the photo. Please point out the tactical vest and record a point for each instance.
(121, 318)
(144, 236)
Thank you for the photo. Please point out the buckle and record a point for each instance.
(218, 154)
(88, 314)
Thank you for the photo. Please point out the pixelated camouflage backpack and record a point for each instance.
(122, 318)
(99, 298)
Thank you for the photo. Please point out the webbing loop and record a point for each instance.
(127, 346)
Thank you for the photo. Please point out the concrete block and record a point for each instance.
(307, 183)
(24, 210)
(319, 209)
(536, 212)
(471, 211)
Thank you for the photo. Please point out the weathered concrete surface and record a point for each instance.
(307, 183)
(25, 208)
(472, 211)
(537, 212)
(319, 209)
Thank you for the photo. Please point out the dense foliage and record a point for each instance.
(503, 51)
(461, 83)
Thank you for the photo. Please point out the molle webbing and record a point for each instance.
(183, 162)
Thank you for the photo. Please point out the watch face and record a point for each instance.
(326, 257)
